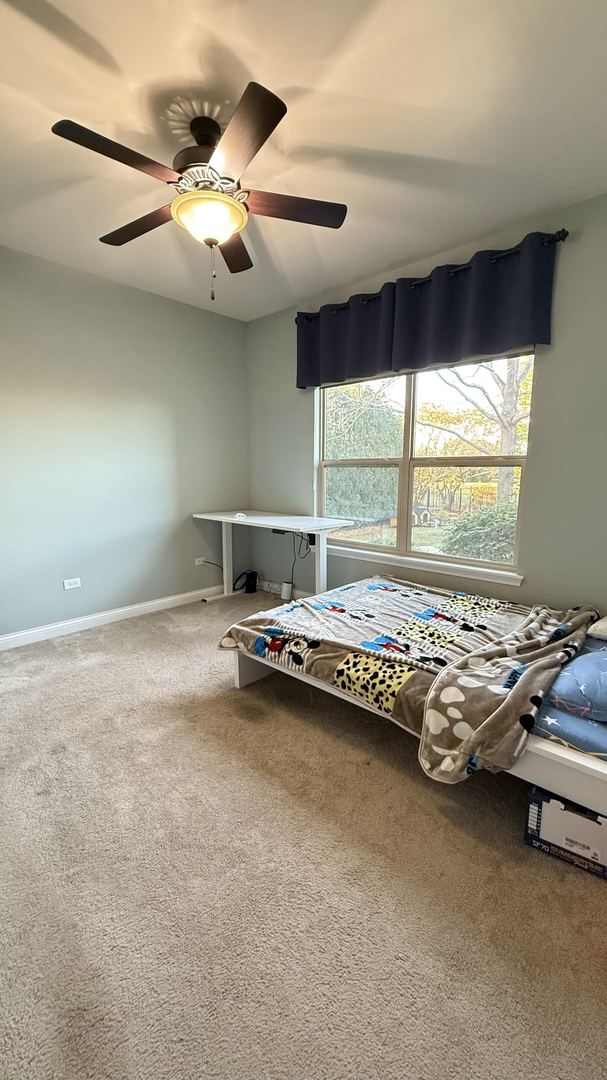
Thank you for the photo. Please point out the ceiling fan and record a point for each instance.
(209, 201)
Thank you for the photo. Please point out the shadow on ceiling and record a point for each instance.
(390, 165)
(171, 105)
(61, 26)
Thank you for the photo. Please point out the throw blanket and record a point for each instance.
(466, 673)
(480, 709)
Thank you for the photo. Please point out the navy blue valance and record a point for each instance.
(497, 303)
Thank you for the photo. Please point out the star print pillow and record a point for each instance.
(581, 687)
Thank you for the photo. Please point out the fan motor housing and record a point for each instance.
(207, 133)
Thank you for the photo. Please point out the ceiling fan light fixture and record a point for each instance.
(211, 217)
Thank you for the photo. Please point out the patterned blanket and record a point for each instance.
(466, 673)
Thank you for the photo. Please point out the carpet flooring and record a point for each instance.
(199, 883)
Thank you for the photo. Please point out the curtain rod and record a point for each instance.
(554, 238)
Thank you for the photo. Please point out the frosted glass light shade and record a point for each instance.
(211, 217)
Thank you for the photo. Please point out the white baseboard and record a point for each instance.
(100, 618)
(274, 587)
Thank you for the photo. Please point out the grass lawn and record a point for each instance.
(426, 538)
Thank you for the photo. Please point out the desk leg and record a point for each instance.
(320, 557)
(228, 565)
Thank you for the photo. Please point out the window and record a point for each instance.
(429, 464)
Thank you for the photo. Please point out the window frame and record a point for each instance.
(406, 464)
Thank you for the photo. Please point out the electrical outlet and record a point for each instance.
(71, 583)
(199, 560)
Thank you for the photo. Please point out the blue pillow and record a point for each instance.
(581, 687)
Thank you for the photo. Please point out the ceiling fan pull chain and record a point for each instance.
(213, 271)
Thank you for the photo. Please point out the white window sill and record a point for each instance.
(428, 566)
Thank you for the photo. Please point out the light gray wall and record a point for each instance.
(563, 541)
(120, 414)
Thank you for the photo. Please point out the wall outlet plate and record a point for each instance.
(199, 560)
(71, 583)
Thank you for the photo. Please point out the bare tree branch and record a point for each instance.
(462, 438)
(349, 409)
(477, 386)
(523, 372)
(519, 419)
(471, 400)
(496, 378)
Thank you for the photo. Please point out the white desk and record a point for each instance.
(293, 523)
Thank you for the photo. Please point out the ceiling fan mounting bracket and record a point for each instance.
(205, 130)
(207, 134)
(191, 156)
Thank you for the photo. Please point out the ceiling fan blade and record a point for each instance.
(138, 227)
(75, 133)
(258, 112)
(292, 208)
(236, 255)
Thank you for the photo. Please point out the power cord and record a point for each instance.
(302, 541)
(208, 562)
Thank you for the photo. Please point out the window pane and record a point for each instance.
(468, 513)
(365, 419)
(476, 409)
(368, 495)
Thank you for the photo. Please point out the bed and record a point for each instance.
(482, 683)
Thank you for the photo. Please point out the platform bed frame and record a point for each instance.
(575, 776)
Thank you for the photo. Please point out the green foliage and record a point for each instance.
(489, 535)
(364, 494)
(362, 422)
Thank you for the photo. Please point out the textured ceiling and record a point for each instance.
(434, 121)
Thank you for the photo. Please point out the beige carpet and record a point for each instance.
(199, 883)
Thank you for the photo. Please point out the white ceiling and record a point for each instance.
(434, 121)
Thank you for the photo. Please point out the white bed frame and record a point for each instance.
(575, 776)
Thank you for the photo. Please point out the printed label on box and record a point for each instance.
(568, 831)
(578, 845)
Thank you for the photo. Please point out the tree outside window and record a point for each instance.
(430, 463)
